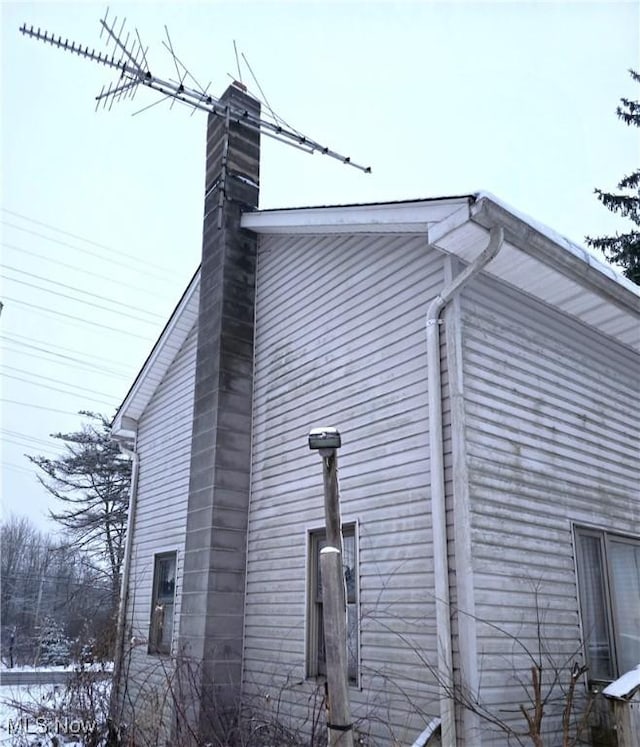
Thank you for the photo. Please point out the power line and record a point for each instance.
(78, 238)
(30, 344)
(26, 444)
(11, 432)
(80, 290)
(78, 300)
(84, 251)
(110, 260)
(17, 468)
(55, 381)
(75, 268)
(76, 318)
(38, 407)
(55, 445)
(77, 365)
(56, 389)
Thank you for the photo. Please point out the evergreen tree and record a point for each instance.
(624, 249)
(54, 646)
(91, 481)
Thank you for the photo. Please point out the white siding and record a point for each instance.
(164, 449)
(552, 439)
(340, 341)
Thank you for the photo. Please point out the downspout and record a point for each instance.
(124, 445)
(438, 508)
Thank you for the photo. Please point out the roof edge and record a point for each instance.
(122, 423)
(402, 216)
(567, 257)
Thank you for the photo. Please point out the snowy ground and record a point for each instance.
(33, 715)
(69, 668)
(18, 728)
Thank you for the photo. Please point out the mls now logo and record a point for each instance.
(40, 725)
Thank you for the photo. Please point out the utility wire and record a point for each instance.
(79, 290)
(57, 389)
(37, 407)
(75, 268)
(78, 300)
(54, 380)
(33, 344)
(80, 238)
(78, 365)
(31, 441)
(111, 261)
(17, 468)
(28, 445)
(76, 318)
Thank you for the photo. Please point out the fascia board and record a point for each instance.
(438, 231)
(566, 257)
(157, 363)
(408, 217)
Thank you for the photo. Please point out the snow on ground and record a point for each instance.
(104, 667)
(31, 715)
(19, 729)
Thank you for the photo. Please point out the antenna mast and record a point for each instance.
(129, 57)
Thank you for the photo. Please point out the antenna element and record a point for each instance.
(130, 59)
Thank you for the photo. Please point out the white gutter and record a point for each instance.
(126, 565)
(438, 509)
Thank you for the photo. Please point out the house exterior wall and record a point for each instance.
(552, 433)
(340, 341)
(163, 447)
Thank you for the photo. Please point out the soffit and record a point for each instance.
(548, 271)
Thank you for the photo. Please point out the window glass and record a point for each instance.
(595, 624)
(625, 572)
(162, 604)
(609, 585)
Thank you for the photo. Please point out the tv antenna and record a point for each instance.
(129, 57)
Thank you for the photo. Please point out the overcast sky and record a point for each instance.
(101, 211)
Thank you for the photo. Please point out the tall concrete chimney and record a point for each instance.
(212, 604)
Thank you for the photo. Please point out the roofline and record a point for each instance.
(482, 207)
(404, 216)
(412, 201)
(121, 423)
(410, 216)
(559, 252)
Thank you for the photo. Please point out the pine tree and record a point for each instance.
(54, 646)
(91, 482)
(624, 249)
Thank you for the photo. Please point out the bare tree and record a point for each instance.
(44, 580)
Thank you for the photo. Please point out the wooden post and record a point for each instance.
(627, 713)
(334, 610)
(331, 497)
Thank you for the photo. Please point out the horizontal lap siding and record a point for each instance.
(340, 341)
(552, 439)
(163, 445)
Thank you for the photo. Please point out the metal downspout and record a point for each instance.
(124, 584)
(438, 508)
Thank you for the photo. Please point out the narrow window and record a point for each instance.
(624, 567)
(609, 585)
(315, 635)
(164, 584)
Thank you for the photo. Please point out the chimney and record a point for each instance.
(212, 602)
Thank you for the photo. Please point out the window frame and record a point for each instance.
(315, 536)
(155, 646)
(605, 538)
